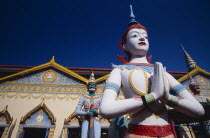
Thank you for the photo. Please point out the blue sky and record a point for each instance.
(84, 34)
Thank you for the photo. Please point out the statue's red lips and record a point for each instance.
(142, 43)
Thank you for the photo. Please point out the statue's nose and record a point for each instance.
(141, 39)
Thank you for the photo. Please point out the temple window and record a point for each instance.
(39, 122)
(72, 126)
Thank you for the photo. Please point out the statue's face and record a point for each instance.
(137, 42)
(91, 87)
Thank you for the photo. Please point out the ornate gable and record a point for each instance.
(40, 115)
(49, 80)
(73, 120)
(52, 64)
(202, 78)
(46, 77)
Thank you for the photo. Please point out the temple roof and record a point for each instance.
(6, 71)
(12, 72)
(197, 70)
(51, 64)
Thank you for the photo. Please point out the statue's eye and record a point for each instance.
(134, 35)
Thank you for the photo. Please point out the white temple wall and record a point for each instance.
(19, 107)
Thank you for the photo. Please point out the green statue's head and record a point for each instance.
(91, 85)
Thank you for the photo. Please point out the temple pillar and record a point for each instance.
(51, 132)
(65, 133)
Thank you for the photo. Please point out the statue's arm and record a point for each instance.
(185, 102)
(98, 111)
(79, 108)
(110, 106)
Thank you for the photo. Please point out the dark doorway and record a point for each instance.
(104, 132)
(74, 133)
(1, 131)
(35, 132)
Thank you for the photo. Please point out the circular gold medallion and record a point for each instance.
(201, 80)
(49, 76)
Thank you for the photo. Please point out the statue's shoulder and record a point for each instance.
(147, 67)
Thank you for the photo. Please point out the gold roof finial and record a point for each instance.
(52, 60)
(92, 78)
(43, 102)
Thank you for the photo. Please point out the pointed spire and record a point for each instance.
(52, 60)
(92, 78)
(191, 64)
(132, 16)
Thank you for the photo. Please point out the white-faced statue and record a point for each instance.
(137, 42)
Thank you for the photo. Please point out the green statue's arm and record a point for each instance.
(79, 111)
(94, 111)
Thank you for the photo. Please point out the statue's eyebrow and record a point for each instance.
(134, 31)
(145, 33)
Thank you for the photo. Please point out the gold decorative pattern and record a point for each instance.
(202, 81)
(104, 121)
(40, 88)
(6, 114)
(58, 89)
(132, 85)
(91, 97)
(128, 117)
(41, 106)
(40, 95)
(39, 118)
(49, 76)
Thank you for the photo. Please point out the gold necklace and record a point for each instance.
(132, 85)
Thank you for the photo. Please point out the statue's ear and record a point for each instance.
(122, 47)
(125, 47)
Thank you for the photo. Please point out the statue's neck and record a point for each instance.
(138, 59)
(92, 94)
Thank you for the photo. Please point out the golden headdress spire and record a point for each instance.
(92, 78)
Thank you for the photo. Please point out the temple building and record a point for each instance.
(40, 102)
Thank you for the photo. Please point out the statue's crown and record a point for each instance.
(92, 78)
(132, 24)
